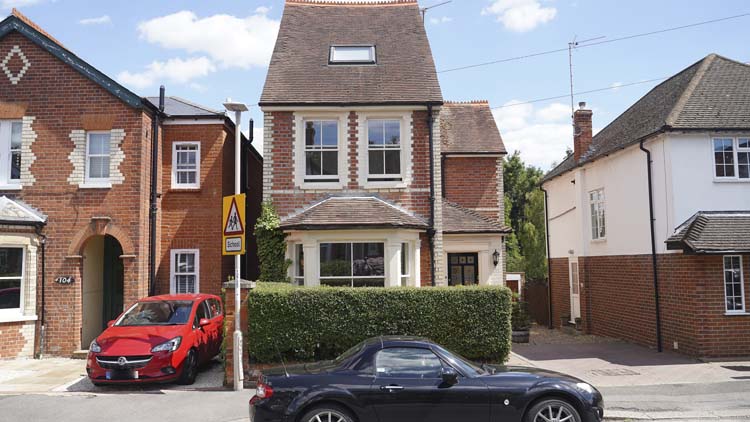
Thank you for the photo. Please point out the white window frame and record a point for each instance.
(405, 278)
(173, 275)
(371, 59)
(6, 154)
(382, 148)
(598, 206)
(736, 150)
(363, 158)
(8, 314)
(742, 285)
(351, 266)
(299, 279)
(175, 181)
(97, 181)
(302, 180)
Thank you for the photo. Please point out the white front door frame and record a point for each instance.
(575, 288)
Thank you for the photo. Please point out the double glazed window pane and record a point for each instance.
(321, 163)
(385, 161)
(186, 166)
(11, 267)
(733, 284)
(321, 148)
(384, 147)
(98, 155)
(724, 157)
(743, 158)
(15, 150)
(407, 362)
(352, 264)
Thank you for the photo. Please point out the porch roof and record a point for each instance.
(347, 212)
(713, 232)
(457, 219)
(18, 213)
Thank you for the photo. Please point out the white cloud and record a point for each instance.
(173, 70)
(442, 19)
(541, 136)
(9, 4)
(520, 15)
(228, 40)
(95, 21)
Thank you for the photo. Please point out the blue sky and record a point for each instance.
(206, 51)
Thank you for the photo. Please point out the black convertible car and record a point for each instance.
(407, 379)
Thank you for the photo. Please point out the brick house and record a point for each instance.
(359, 145)
(75, 195)
(649, 220)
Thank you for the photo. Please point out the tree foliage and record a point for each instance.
(524, 213)
(271, 245)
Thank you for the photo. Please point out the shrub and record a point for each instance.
(305, 324)
(271, 245)
(520, 319)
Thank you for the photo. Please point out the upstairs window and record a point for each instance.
(598, 222)
(10, 151)
(321, 150)
(186, 165)
(352, 54)
(97, 157)
(731, 158)
(384, 150)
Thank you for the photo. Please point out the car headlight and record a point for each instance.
(168, 346)
(585, 387)
(94, 347)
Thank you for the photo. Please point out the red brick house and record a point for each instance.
(76, 176)
(649, 220)
(359, 145)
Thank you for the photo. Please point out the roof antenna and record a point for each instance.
(425, 9)
(572, 45)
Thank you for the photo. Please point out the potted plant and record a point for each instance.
(520, 322)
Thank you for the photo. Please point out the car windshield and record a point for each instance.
(162, 312)
(465, 365)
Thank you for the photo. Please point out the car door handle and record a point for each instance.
(391, 388)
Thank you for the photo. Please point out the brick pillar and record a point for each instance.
(229, 329)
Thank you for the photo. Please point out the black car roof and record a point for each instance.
(390, 341)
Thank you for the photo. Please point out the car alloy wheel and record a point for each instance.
(555, 411)
(327, 415)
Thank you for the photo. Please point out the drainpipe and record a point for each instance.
(431, 229)
(653, 247)
(154, 194)
(549, 260)
(42, 326)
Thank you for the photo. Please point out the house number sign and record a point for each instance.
(64, 279)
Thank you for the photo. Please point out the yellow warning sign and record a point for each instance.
(233, 225)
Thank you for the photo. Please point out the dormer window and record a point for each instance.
(352, 54)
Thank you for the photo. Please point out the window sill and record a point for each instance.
(737, 313)
(16, 318)
(322, 186)
(92, 185)
(385, 185)
(10, 187)
(730, 180)
(600, 240)
(176, 189)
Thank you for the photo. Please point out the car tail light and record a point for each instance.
(262, 391)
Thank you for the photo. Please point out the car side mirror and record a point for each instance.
(450, 376)
(203, 322)
(110, 323)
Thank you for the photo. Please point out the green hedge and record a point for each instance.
(306, 324)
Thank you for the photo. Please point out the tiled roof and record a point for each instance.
(712, 94)
(17, 212)
(299, 72)
(346, 212)
(179, 107)
(469, 127)
(457, 219)
(717, 232)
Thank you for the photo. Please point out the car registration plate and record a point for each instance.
(122, 375)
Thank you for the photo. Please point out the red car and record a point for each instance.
(158, 339)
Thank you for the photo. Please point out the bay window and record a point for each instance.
(352, 264)
(405, 265)
(321, 151)
(11, 280)
(731, 158)
(299, 265)
(734, 291)
(384, 150)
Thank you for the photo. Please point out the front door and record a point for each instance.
(463, 268)
(575, 287)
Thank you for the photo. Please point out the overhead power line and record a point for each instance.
(623, 38)
(557, 97)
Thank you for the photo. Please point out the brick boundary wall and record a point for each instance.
(617, 300)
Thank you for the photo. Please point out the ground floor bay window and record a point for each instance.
(365, 258)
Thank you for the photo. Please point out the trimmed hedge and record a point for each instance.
(306, 324)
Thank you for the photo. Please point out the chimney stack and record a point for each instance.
(582, 132)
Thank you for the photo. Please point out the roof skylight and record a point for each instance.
(352, 54)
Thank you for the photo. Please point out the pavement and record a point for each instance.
(639, 383)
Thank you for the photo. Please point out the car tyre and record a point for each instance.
(555, 410)
(189, 369)
(327, 413)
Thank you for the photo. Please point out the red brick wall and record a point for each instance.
(192, 218)
(617, 300)
(472, 183)
(425, 276)
(63, 100)
(12, 340)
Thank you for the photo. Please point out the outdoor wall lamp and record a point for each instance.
(495, 257)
